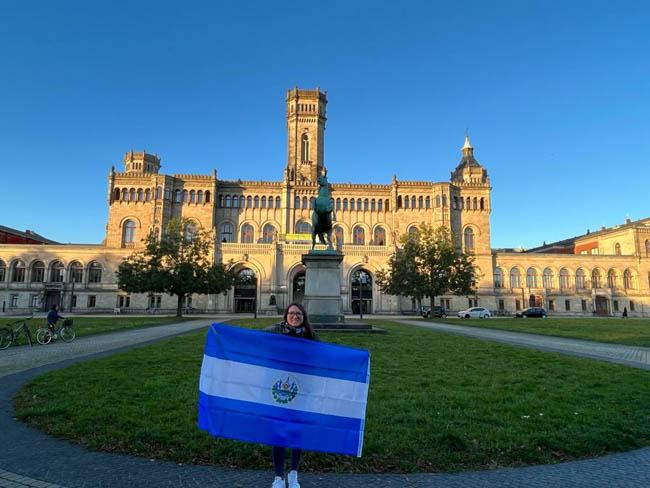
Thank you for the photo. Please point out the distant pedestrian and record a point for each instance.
(624, 312)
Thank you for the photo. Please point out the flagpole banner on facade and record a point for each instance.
(283, 391)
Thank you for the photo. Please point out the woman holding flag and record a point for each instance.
(295, 324)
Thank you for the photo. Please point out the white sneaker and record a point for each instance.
(292, 477)
(278, 483)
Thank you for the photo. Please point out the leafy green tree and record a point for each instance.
(429, 265)
(179, 263)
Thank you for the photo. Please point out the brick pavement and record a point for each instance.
(31, 459)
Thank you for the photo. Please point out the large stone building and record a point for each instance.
(263, 227)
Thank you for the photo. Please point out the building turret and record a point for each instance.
(469, 170)
(141, 162)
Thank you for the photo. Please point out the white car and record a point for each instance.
(480, 312)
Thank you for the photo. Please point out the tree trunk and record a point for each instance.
(179, 306)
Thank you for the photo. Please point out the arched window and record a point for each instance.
(365, 204)
(177, 196)
(207, 196)
(297, 204)
(380, 236)
(193, 197)
(475, 204)
(132, 194)
(304, 202)
(95, 272)
(235, 201)
(498, 278)
(482, 204)
(270, 202)
(312, 203)
(18, 271)
(75, 272)
(38, 272)
(256, 202)
(267, 233)
(158, 192)
(263, 202)
(247, 233)
(468, 238)
(611, 279)
(437, 200)
(531, 278)
(617, 249)
(190, 231)
(413, 230)
(420, 202)
(399, 201)
(199, 196)
(547, 278)
(56, 272)
(147, 194)
(277, 202)
(444, 200)
(351, 203)
(338, 232)
(116, 194)
(128, 234)
(359, 236)
(595, 279)
(303, 227)
(413, 203)
(226, 232)
(515, 278)
(406, 202)
(564, 278)
(249, 201)
(580, 279)
(338, 204)
(304, 148)
(387, 206)
(3, 271)
(372, 205)
(227, 201)
(222, 201)
(380, 207)
(358, 204)
(627, 280)
(427, 202)
(125, 194)
(140, 195)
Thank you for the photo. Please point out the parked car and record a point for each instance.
(480, 312)
(532, 312)
(435, 311)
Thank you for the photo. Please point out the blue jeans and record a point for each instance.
(278, 454)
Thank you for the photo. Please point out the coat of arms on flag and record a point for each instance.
(283, 391)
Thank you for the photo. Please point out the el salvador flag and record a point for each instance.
(283, 391)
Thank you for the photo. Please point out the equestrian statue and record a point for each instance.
(323, 214)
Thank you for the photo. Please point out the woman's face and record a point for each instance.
(294, 316)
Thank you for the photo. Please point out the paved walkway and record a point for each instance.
(31, 459)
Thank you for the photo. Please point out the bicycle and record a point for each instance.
(44, 335)
(9, 335)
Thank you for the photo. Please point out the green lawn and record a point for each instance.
(437, 402)
(85, 326)
(634, 332)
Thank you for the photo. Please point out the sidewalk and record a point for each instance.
(29, 458)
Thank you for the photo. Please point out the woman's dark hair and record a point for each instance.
(305, 319)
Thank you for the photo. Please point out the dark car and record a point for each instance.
(433, 312)
(532, 312)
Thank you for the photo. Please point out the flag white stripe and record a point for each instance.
(251, 383)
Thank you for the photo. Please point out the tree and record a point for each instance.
(428, 265)
(179, 263)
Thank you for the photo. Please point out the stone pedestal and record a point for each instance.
(322, 299)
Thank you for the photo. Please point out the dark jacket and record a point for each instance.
(53, 316)
(284, 329)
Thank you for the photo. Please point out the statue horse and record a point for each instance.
(322, 218)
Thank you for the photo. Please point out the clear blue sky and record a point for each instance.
(555, 94)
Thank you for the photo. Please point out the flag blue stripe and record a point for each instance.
(279, 352)
(277, 426)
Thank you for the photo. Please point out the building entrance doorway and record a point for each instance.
(299, 288)
(602, 305)
(361, 291)
(246, 292)
(535, 301)
(52, 298)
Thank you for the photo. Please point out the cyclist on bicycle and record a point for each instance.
(52, 318)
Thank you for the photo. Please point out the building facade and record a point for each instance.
(264, 227)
